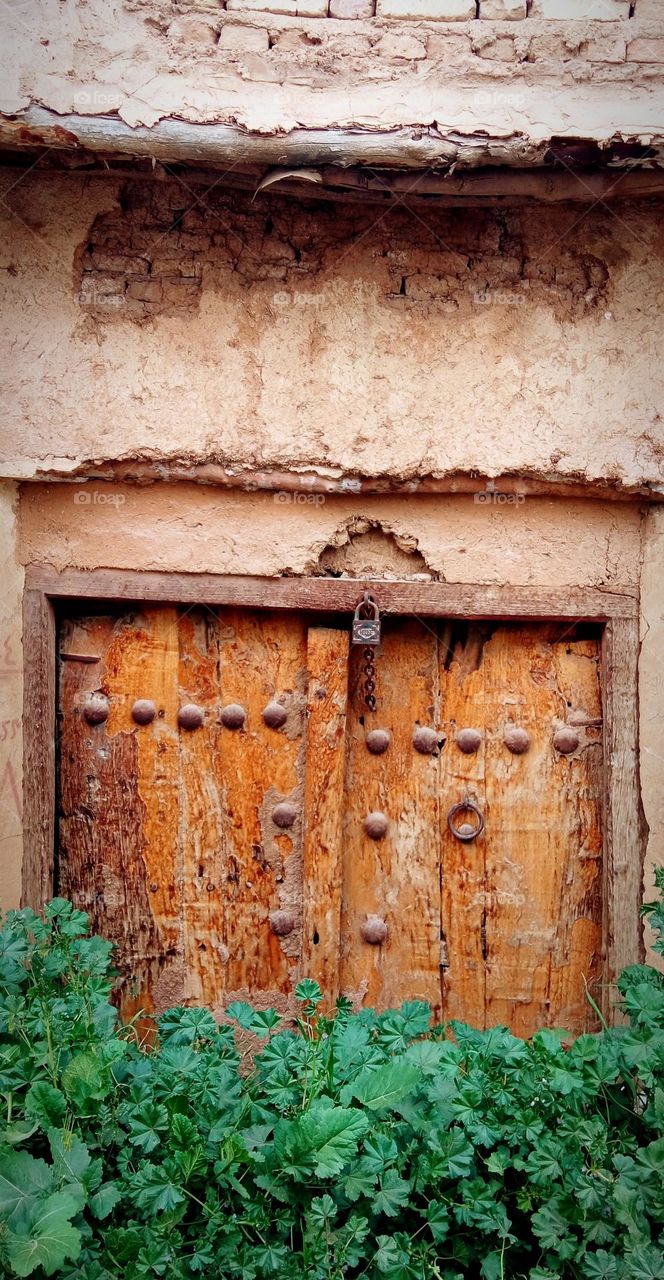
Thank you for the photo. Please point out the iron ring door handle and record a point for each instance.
(465, 832)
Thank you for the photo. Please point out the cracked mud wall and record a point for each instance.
(11, 696)
(419, 342)
(651, 698)
(521, 80)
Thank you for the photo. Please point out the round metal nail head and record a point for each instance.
(282, 923)
(233, 716)
(143, 711)
(190, 716)
(565, 741)
(425, 740)
(516, 740)
(374, 930)
(96, 708)
(275, 715)
(284, 814)
(378, 740)
(468, 740)
(376, 825)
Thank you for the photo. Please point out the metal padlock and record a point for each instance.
(366, 630)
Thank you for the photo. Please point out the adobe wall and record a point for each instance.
(339, 342)
(185, 326)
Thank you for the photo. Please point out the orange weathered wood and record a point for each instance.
(396, 878)
(543, 847)
(463, 870)
(103, 842)
(262, 657)
(168, 836)
(322, 879)
(204, 905)
(425, 599)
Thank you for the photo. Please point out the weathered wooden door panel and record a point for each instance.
(119, 853)
(261, 658)
(166, 835)
(323, 867)
(528, 891)
(397, 878)
(231, 859)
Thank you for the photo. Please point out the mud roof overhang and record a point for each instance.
(428, 161)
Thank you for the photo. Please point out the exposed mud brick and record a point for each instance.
(288, 7)
(400, 46)
(312, 8)
(578, 10)
(179, 292)
(436, 10)
(119, 262)
(502, 10)
(192, 32)
(604, 48)
(485, 254)
(145, 290)
(497, 48)
(238, 35)
(649, 9)
(646, 49)
(294, 40)
(352, 8)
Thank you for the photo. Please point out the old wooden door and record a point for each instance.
(215, 781)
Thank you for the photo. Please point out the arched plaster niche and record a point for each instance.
(364, 548)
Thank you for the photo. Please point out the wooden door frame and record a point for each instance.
(623, 825)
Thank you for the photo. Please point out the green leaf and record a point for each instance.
(385, 1086)
(389, 1257)
(105, 1199)
(71, 1157)
(147, 1126)
(323, 1139)
(242, 1013)
(645, 1264)
(265, 1021)
(601, 1266)
(323, 1211)
(186, 1026)
(22, 1181)
(49, 1240)
(83, 1080)
(308, 990)
(45, 1104)
(19, 1132)
(392, 1194)
(156, 1192)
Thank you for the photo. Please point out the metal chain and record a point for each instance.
(369, 672)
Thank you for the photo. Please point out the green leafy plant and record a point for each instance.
(354, 1145)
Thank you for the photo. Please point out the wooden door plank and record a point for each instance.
(203, 953)
(426, 599)
(322, 881)
(396, 878)
(106, 845)
(262, 658)
(463, 868)
(543, 847)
